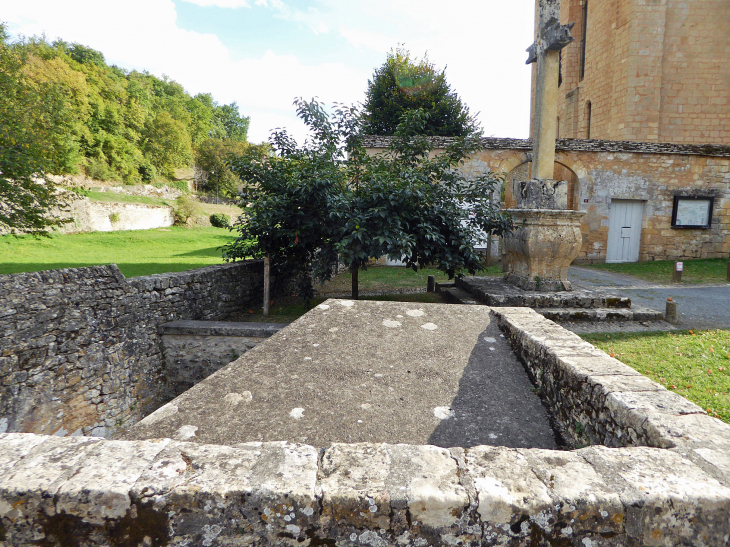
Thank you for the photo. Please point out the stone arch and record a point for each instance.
(523, 172)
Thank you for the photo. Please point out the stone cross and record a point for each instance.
(551, 38)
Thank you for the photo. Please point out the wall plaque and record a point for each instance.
(692, 212)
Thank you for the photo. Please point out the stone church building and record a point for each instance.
(643, 127)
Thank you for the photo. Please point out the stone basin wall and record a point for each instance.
(196, 349)
(84, 491)
(79, 348)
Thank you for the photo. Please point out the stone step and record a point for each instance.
(495, 292)
(455, 295)
(575, 315)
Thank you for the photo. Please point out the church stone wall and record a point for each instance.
(608, 170)
(655, 71)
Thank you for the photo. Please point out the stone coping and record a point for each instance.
(221, 328)
(89, 491)
(577, 145)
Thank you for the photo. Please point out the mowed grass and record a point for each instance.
(389, 278)
(706, 270)
(695, 364)
(136, 252)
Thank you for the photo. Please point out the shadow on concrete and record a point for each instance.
(496, 403)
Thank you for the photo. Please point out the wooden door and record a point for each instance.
(624, 230)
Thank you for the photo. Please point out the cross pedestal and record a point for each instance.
(546, 237)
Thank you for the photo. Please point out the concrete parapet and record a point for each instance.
(82, 491)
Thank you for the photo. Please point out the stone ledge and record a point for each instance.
(221, 328)
(599, 400)
(84, 491)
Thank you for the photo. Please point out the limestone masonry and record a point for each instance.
(606, 176)
(80, 352)
(653, 71)
(666, 482)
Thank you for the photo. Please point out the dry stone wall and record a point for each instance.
(79, 349)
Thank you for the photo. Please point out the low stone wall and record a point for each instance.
(85, 491)
(80, 352)
(194, 350)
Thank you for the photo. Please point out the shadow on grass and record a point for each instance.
(207, 252)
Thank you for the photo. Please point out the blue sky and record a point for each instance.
(264, 53)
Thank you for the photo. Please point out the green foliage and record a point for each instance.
(405, 84)
(220, 220)
(167, 144)
(311, 204)
(212, 159)
(131, 127)
(33, 143)
(185, 209)
(113, 218)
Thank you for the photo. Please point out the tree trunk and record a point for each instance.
(267, 285)
(355, 270)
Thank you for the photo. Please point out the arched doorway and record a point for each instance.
(523, 172)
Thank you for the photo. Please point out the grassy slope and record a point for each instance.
(695, 364)
(136, 252)
(706, 270)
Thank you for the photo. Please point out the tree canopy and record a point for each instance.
(126, 126)
(327, 199)
(63, 110)
(404, 83)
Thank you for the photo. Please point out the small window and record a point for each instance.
(588, 119)
(692, 212)
(583, 40)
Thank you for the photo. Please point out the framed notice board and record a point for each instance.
(692, 212)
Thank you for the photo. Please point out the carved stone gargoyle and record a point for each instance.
(554, 37)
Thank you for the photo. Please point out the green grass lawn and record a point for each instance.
(136, 252)
(695, 364)
(388, 278)
(706, 270)
(115, 197)
(289, 308)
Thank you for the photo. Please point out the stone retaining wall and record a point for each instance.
(79, 350)
(196, 349)
(94, 216)
(85, 491)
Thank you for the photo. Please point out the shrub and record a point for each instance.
(220, 220)
(185, 209)
(113, 218)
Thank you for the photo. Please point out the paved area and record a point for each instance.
(367, 371)
(699, 306)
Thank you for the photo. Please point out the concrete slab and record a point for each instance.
(364, 371)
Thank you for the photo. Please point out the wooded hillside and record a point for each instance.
(103, 120)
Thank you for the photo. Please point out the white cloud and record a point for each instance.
(220, 3)
(481, 42)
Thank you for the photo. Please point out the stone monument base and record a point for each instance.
(541, 247)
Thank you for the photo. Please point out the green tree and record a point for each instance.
(329, 198)
(213, 157)
(230, 120)
(167, 143)
(33, 144)
(403, 84)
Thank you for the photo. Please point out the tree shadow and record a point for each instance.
(496, 403)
